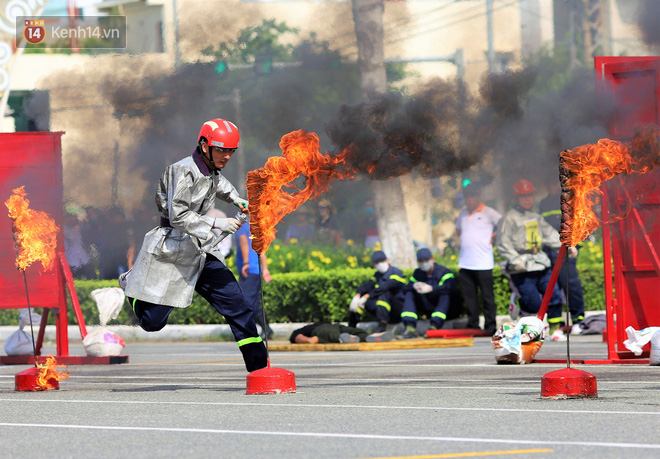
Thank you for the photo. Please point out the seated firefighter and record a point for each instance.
(324, 332)
(382, 295)
(429, 291)
(521, 235)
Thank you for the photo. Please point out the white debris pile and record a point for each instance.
(20, 342)
(100, 341)
(638, 339)
(509, 339)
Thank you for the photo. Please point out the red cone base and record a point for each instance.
(26, 380)
(568, 383)
(270, 380)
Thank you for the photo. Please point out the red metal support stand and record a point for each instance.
(68, 278)
(553, 281)
(610, 301)
(61, 327)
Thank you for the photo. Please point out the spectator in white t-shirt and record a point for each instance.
(476, 226)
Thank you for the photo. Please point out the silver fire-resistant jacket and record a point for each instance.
(172, 258)
(521, 233)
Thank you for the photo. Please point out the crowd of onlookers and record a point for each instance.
(529, 242)
(100, 244)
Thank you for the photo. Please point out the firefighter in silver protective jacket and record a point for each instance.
(520, 237)
(181, 255)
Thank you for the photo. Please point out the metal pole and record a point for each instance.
(27, 295)
(263, 310)
(568, 324)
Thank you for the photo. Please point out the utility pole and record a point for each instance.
(572, 32)
(530, 27)
(489, 29)
(114, 183)
(393, 228)
(175, 20)
(240, 152)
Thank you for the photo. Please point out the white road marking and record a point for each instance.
(309, 405)
(408, 380)
(553, 443)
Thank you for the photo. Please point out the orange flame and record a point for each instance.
(590, 165)
(50, 372)
(35, 232)
(269, 202)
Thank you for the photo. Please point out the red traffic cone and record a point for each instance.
(270, 380)
(568, 383)
(28, 380)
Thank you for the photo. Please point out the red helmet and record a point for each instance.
(220, 133)
(522, 187)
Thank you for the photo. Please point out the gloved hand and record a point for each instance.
(355, 304)
(241, 204)
(227, 225)
(422, 288)
(518, 264)
(572, 252)
(363, 299)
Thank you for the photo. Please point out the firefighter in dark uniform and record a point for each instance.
(382, 295)
(429, 291)
(549, 208)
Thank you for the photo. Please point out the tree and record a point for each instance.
(393, 228)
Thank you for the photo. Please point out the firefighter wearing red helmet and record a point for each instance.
(523, 187)
(182, 254)
(218, 139)
(521, 235)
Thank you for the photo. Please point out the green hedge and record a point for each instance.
(305, 297)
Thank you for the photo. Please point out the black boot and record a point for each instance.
(353, 319)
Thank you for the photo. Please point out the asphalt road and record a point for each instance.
(188, 400)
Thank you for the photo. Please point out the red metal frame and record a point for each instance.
(34, 159)
(631, 258)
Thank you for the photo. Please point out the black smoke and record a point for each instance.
(526, 125)
(517, 122)
(648, 17)
(393, 134)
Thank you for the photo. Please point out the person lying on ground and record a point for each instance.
(324, 332)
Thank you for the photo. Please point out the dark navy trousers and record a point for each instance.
(531, 286)
(218, 286)
(251, 287)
